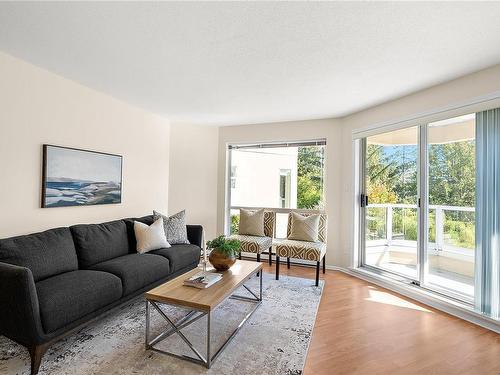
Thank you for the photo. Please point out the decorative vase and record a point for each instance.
(220, 261)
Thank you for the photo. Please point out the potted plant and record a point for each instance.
(223, 252)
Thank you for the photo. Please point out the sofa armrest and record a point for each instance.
(19, 309)
(195, 234)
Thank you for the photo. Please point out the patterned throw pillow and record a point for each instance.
(251, 222)
(175, 227)
(304, 228)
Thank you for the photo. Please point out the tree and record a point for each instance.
(310, 164)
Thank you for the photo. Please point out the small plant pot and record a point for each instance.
(221, 262)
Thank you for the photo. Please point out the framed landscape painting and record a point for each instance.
(73, 177)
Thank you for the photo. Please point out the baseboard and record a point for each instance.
(448, 306)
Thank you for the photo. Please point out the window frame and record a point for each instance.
(227, 181)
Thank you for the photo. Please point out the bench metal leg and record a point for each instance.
(324, 264)
(277, 267)
(317, 273)
(288, 262)
(271, 256)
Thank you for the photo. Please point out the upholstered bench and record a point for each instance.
(304, 250)
(259, 244)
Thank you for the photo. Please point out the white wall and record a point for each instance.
(292, 131)
(193, 174)
(39, 107)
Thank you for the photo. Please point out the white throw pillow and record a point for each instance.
(150, 237)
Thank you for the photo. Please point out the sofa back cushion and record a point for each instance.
(96, 243)
(46, 254)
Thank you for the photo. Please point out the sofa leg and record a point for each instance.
(239, 256)
(36, 354)
(271, 256)
(277, 267)
(288, 262)
(317, 273)
(324, 264)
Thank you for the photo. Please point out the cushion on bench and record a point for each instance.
(301, 249)
(96, 243)
(69, 296)
(46, 254)
(136, 270)
(180, 256)
(253, 244)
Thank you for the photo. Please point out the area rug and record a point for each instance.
(274, 340)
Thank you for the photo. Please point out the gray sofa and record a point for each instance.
(54, 282)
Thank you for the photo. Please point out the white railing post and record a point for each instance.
(388, 224)
(439, 228)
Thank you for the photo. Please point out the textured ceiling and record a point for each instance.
(235, 63)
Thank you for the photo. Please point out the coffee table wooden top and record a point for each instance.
(175, 293)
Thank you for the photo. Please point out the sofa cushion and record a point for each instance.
(96, 243)
(136, 270)
(69, 296)
(180, 256)
(46, 254)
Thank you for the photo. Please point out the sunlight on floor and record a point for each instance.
(389, 299)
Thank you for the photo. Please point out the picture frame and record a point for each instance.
(79, 177)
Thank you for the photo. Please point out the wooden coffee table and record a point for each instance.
(200, 302)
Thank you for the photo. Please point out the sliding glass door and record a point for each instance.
(451, 212)
(417, 205)
(391, 211)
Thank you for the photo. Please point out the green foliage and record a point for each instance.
(310, 177)
(460, 233)
(235, 223)
(308, 193)
(392, 178)
(229, 247)
(393, 173)
(452, 174)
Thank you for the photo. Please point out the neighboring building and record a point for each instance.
(264, 177)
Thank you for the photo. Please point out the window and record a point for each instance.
(417, 205)
(285, 188)
(279, 176)
(233, 177)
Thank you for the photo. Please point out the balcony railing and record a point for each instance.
(451, 228)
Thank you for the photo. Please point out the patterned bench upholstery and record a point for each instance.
(301, 250)
(253, 244)
(259, 244)
(305, 250)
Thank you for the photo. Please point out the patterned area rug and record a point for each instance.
(274, 340)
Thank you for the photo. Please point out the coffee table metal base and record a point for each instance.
(192, 316)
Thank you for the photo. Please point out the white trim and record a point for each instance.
(476, 104)
(227, 185)
(446, 305)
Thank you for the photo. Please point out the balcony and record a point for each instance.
(391, 244)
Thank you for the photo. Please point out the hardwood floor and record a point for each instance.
(365, 329)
